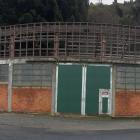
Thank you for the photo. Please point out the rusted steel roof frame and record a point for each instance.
(71, 41)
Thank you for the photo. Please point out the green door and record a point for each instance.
(69, 89)
(98, 77)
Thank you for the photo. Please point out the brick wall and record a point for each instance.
(127, 104)
(32, 100)
(3, 97)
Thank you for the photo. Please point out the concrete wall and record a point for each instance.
(127, 103)
(31, 99)
(26, 97)
(3, 97)
(127, 90)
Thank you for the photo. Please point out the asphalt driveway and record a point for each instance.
(61, 124)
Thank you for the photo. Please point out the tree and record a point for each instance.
(119, 11)
(26, 18)
(23, 11)
(115, 2)
(137, 11)
(103, 14)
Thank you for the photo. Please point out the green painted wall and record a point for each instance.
(98, 77)
(69, 89)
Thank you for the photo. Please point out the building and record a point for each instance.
(78, 68)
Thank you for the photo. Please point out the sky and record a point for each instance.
(108, 1)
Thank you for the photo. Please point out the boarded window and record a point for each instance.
(36, 75)
(128, 77)
(3, 73)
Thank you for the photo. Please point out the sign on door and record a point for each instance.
(104, 101)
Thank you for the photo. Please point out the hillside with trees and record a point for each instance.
(126, 13)
(24, 11)
(28, 11)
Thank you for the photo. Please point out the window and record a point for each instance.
(128, 77)
(36, 75)
(3, 73)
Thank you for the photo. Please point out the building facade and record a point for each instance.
(73, 68)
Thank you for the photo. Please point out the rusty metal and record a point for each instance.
(71, 42)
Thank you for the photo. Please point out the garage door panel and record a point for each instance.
(69, 88)
(98, 77)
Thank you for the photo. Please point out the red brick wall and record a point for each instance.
(32, 100)
(127, 104)
(3, 97)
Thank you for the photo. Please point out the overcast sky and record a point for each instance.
(108, 1)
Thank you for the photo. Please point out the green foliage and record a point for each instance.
(103, 14)
(24, 11)
(26, 18)
(116, 13)
(136, 11)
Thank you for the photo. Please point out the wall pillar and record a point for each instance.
(54, 100)
(83, 98)
(10, 80)
(55, 89)
(113, 89)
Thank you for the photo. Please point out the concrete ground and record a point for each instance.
(62, 124)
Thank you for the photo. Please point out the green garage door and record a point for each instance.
(98, 77)
(69, 89)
